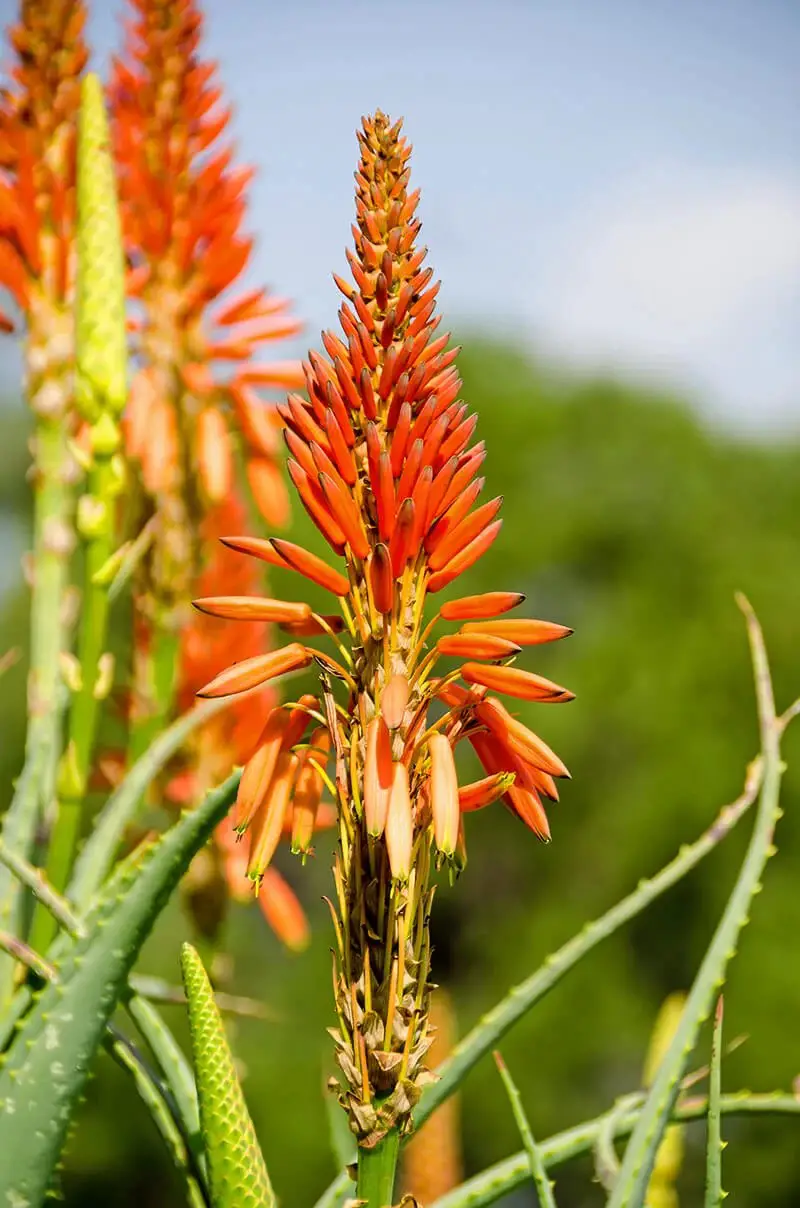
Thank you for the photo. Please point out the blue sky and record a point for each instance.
(616, 183)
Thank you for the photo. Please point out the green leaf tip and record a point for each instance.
(236, 1168)
(101, 342)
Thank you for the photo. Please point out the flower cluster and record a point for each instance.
(383, 459)
(183, 202)
(219, 873)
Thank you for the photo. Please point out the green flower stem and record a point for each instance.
(376, 1171)
(714, 1143)
(52, 545)
(497, 1181)
(156, 678)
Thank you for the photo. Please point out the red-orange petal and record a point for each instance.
(214, 456)
(444, 550)
(268, 824)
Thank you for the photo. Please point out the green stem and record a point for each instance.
(52, 546)
(98, 530)
(376, 1171)
(155, 678)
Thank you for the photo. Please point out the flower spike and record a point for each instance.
(383, 456)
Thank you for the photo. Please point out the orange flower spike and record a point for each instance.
(268, 824)
(283, 912)
(524, 632)
(183, 202)
(251, 673)
(377, 776)
(489, 604)
(399, 825)
(252, 608)
(444, 794)
(515, 682)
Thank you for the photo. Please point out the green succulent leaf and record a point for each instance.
(236, 1169)
(49, 1059)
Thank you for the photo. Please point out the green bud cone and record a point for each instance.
(237, 1172)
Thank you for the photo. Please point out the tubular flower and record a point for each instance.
(195, 396)
(207, 645)
(383, 458)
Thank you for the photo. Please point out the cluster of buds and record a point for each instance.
(219, 873)
(183, 203)
(382, 457)
(38, 114)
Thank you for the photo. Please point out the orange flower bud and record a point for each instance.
(466, 558)
(283, 912)
(214, 457)
(515, 682)
(252, 608)
(268, 489)
(483, 792)
(269, 821)
(381, 578)
(523, 631)
(250, 673)
(311, 566)
(377, 776)
(489, 604)
(476, 646)
(444, 794)
(399, 825)
(308, 791)
(394, 701)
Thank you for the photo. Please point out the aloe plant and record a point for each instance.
(383, 460)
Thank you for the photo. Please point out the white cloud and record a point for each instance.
(688, 274)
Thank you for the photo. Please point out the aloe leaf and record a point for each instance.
(174, 1067)
(497, 1181)
(97, 857)
(157, 1100)
(237, 1173)
(544, 1188)
(714, 1144)
(48, 1062)
(637, 1163)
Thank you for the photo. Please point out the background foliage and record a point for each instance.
(628, 520)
